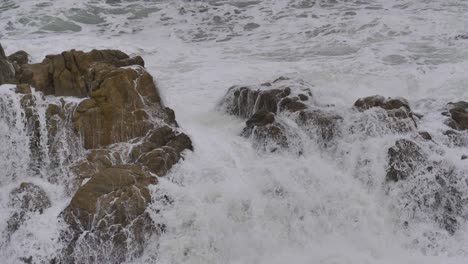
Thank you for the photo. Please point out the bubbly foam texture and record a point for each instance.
(232, 203)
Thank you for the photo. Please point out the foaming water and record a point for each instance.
(230, 202)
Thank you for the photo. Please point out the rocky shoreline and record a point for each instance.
(120, 105)
(130, 138)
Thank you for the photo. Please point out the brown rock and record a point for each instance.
(66, 74)
(459, 115)
(116, 111)
(7, 71)
(111, 205)
(365, 103)
(317, 121)
(23, 88)
(404, 158)
(27, 198)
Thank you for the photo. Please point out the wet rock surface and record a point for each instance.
(129, 138)
(27, 199)
(458, 113)
(7, 71)
(417, 174)
(262, 106)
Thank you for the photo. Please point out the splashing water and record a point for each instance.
(231, 203)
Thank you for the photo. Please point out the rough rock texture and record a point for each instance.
(27, 198)
(458, 115)
(429, 187)
(319, 122)
(111, 206)
(129, 136)
(72, 73)
(393, 113)
(382, 102)
(261, 105)
(7, 71)
(403, 160)
(119, 109)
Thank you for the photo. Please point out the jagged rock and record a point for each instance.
(404, 158)
(69, 74)
(267, 137)
(261, 104)
(291, 104)
(110, 208)
(425, 135)
(261, 118)
(20, 57)
(161, 150)
(27, 198)
(316, 121)
(7, 71)
(394, 113)
(23, 89)
(365, 103)
(121, 104)
(303, 97)
(459, 115)
(264, 130)
(456, 138)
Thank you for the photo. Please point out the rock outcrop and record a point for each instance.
(394, 112)
(458, 114)
(431, 187)
(26, 199)
(404, 158)
(266, 106)
(7, 71)
(130, 139)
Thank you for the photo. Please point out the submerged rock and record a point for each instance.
(27, 198)
(365, 103)
(319, 122)
(458, 115)
(404, 158)
(7, 71)
(262, 104)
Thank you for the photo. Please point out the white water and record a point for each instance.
(233, 204)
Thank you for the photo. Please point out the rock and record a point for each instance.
(365, 103)
(27, 198)
(119, 108)
(160, 150)
(319, 122)
(23, 89)
(111, 207)
(459, 115)
(261, 118)
(425, 135)
(291, 105)
(67, 74)
(7, 71)
(268, 137)
(260, 106)
(404, 158)
(394, 114)
(251, 26)
(303, 97)
(18, 59)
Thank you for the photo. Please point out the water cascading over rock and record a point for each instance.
(423, 183)
(104, 107)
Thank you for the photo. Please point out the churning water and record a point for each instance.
(233, 203)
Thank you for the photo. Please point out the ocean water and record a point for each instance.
(231, 202)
